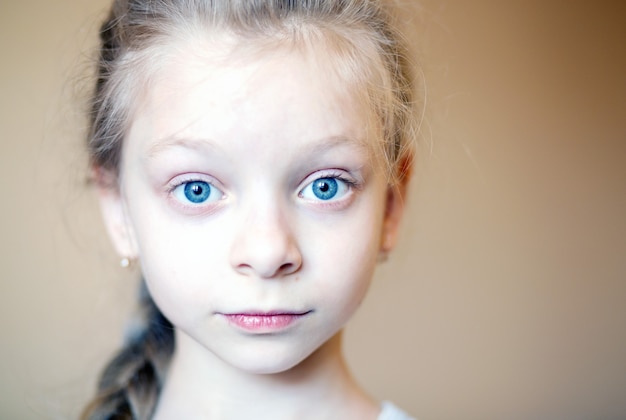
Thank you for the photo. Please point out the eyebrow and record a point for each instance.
(203, 144)
(175, 141)
(329, 143)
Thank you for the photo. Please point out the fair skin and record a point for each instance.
(254, 200)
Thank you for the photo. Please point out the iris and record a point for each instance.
(325, 188)
(197, 191)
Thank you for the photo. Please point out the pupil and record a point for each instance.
(323, 186)
(196, 189)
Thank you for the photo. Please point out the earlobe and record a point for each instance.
(115, 216)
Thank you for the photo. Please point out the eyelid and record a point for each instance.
(190, 177)
(340, 174)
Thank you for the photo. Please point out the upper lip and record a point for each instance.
(267, 313)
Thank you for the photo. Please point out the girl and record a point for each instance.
(251, 156)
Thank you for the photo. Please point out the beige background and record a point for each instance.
(507, 296)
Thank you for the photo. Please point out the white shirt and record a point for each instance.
(391, 412)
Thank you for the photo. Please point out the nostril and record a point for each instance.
(266, 253)
(286, 268)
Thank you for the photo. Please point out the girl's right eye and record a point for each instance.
(196, 193)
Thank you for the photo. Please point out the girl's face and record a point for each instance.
(250, 193)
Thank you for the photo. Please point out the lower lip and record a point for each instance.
(263, 323)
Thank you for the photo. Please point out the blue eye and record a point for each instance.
(325, 189)
(196, 192)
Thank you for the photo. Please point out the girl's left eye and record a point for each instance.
(196, 193)
(325, 189)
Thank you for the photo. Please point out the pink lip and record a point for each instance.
(260, 322)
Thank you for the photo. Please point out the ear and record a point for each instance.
(394, 209)
(115, 214)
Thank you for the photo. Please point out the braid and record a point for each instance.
(130, 385)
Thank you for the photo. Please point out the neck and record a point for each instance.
(201, 386)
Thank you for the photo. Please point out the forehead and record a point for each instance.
(228, 90)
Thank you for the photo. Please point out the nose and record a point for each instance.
(265, 246)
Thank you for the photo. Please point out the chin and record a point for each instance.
(269, 360)
(271, 366)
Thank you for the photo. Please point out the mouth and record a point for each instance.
(264, 322)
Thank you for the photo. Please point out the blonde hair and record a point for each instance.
(366, 49)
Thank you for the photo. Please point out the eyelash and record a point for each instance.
(349, 183)
(180, 182)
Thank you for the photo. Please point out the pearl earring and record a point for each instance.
(125, 262)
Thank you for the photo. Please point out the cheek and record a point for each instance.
(344, 259)
(179, 261)
(172, 273)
